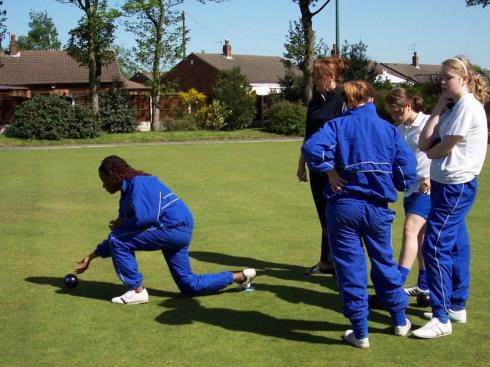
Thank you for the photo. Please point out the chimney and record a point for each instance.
(334, 50)
(415, 60)
(13, 45)
(227, 50)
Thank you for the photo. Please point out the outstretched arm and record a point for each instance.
(85, 263)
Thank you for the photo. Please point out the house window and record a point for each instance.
(192, 62)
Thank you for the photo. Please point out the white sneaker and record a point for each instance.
(131, 298)
(249, 275)
(350, 338)
(434, 329)
(415, 291)
(458, 317)
(403, 330)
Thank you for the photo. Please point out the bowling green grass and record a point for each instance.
(250, 211)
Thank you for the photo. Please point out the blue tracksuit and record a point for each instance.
(155, 218)
(370, 155)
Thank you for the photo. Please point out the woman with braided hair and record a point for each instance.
(152, 217)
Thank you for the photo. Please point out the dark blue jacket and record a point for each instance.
(147, 202)
(367, 151)
(320, 109)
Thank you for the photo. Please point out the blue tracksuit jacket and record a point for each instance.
(145, 202)
(367, 151)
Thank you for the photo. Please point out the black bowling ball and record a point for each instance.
(423, 299)
(70, 280)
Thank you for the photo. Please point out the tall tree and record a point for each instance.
(483, 3)
(307, 15)
(158, 39)
(296, 48)
(360, 64)
(90, 41)
(3, 19)
(125, 60)
(292, 84)
(42, 33)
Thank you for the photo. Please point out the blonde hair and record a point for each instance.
(477, 83)
(356, 93)
(333, 67)
(399, 98)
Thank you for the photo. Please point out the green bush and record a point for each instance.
(116, 114)
(84, 123)
(233, 90)
(53, 118)
(183, 122)
(212, 117)
(41, 117)
(286, 118)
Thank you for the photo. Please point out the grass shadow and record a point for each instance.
(272, 269)
(188, 311)
(92, 289)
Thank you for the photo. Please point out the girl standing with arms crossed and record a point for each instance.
(456, 140)
(152, 217)
(366, 161)
(325, 105)
(406, 110)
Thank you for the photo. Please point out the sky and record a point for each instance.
(392, 29)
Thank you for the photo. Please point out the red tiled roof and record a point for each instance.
(48, 67)
(421, 73)
(258, 69)
(132, 85)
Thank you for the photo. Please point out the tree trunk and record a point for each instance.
(155, 113)
(155, 90)
(92, 75)
(306, 20)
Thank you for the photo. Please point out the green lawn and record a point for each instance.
(249, 211)
(147, 137)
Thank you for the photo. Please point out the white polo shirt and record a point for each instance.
(411, 136)
(466, 119)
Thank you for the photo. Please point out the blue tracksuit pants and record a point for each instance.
(352, 222)
(446, 246)
(174, 244)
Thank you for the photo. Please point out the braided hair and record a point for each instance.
(118, 169)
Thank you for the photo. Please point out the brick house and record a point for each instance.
(199, 71)
(25, 74)
(414, 72)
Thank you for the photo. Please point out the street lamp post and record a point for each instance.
(337, 35)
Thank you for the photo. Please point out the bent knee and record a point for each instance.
(187, 286)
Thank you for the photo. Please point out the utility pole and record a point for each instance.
(183, 35)
(337, 33)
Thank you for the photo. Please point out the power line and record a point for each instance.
(250, 29)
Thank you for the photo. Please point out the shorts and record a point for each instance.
(418, 204)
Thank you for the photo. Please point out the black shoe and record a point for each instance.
(315, 269)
